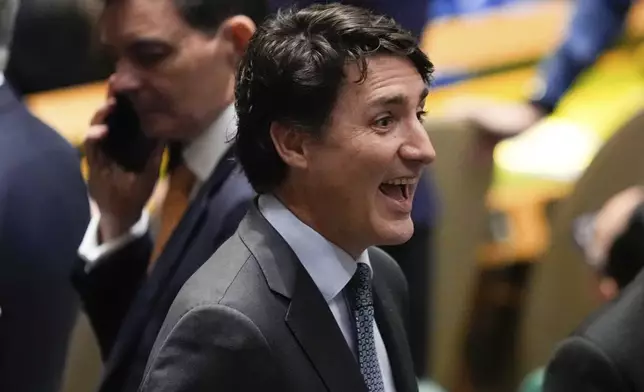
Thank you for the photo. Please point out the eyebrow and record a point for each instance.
(399, 99)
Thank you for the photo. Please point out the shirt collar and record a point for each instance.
(330, 267)
(204, 152)
(1, 78)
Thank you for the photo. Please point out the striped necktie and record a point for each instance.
(363, 313)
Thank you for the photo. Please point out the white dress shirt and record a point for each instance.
(331, 269)
(201, 156)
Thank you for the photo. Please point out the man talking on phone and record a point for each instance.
(175, 62)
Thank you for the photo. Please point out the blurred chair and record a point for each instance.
(462, 180)
(559, 297)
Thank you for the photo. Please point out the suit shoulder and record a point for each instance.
(215, 342)
(579, 364)
(27, 143)
(22, 128)
(230, 270)
(624, 315)
(211, 281)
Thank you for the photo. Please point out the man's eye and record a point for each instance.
(384, 122)
(149, 54)
(421, 114)
(150, 58)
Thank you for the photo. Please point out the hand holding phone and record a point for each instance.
(123, 166)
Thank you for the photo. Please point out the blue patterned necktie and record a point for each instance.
(363, 313)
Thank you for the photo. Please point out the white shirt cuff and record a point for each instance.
(93, 252)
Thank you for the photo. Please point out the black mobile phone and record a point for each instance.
(125, 142)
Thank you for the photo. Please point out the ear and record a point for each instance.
(237, 31)
(290, 145)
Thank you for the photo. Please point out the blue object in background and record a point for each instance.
(452, 8)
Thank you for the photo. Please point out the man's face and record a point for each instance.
(178, 78)
(361, 176)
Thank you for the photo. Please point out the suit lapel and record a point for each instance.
(313, 325)
(144, 304)
(197, 210)
(308, 316)
(393, 334)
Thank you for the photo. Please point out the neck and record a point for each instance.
(322, 223)
(206, 122)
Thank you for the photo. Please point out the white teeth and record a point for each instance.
(402, 181)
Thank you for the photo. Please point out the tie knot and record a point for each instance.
(361, 285)
(363, 273)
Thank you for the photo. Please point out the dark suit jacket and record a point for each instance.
(44, 211)
(127, 309)
(606, 354)
(252, 319)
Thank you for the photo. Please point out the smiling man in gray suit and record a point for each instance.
(329, 101)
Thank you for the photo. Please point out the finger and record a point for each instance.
(90, 145)
(96, 158)
(101, 114)
(117, 174)
(95, 133)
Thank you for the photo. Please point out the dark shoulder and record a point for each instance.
(36, 165)
(580, 365)
(616, 330)
(26, 143)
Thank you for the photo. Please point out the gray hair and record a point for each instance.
(8, 11)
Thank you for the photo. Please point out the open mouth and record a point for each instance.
(398, 189)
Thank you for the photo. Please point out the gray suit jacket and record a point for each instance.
(606, 353)
(251, 319)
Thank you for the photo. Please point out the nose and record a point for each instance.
(124, 79)
(418, 148)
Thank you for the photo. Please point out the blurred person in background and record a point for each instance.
(54, 46)
(595, 26)
(613, 244)
(176, 61)
(330, 101)
(605, 352)
(414, 256)
(44, 211)
(612, 241)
